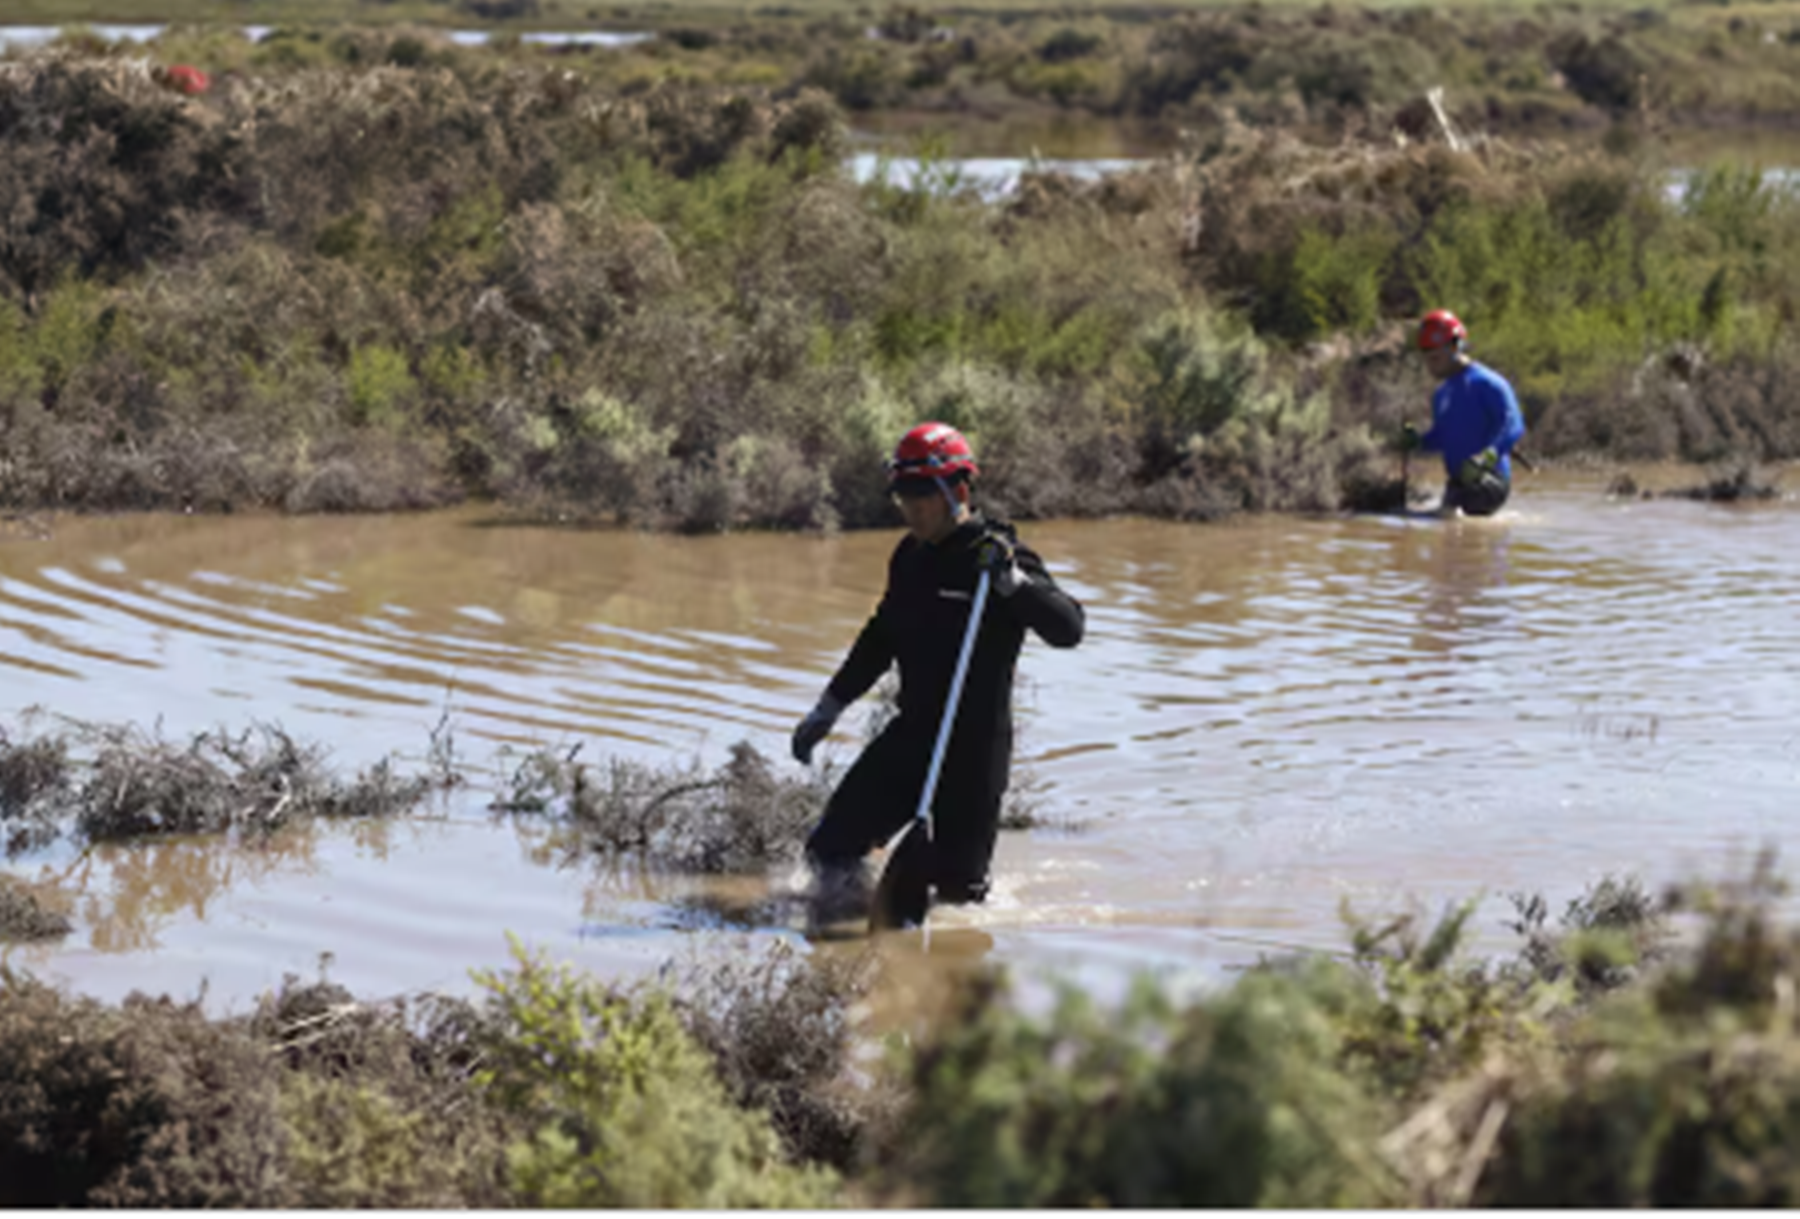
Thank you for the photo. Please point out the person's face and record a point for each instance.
(927, 513)
(1442, 361)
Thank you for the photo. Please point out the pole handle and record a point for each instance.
(923, 814)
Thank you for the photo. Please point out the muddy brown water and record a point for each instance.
(1267, 718)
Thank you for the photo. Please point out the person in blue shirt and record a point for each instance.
(1475, 420)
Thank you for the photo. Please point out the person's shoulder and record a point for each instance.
(999, 526)
(904, 548)
(1481, 374)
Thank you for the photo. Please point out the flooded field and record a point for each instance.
(1267, 718)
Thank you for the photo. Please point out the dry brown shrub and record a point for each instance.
(101, 166)
(402, 1069)
(780, 1027)
(832, 249)
(1253, 192)
(1677, 406)
(106, 782)
(24, 916)
(143, 1105)
(369, 472)
(555, 279)
(740, 818)
(35, 772)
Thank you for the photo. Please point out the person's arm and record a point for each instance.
(1493, 415)
(1511, 425)
(1040, 604)
(869, 658)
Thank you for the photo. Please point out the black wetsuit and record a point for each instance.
(919, 625)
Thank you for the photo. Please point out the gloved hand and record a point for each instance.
(1478, 467)
(1408, 439)
(815, 727)
(994, 555)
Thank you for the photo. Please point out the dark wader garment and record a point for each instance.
(919, 626)
(1483, 497)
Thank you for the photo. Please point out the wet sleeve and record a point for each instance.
(1042, 606)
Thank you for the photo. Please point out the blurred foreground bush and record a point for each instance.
(1639, 1051)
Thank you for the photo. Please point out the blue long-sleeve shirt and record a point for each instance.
(1474, 409)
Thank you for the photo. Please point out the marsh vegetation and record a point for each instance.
(371, 269)
(1633, 1051)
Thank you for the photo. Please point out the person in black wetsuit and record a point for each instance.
(919, 625)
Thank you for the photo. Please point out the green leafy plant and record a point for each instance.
(628, 1110)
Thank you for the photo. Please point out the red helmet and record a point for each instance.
(932, 450)
(185, 78)
(1440, 329)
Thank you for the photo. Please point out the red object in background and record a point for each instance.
(184, 78)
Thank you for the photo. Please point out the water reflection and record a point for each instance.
(126, 894)
(991, 178)
(1069, 136)
(1466, 564)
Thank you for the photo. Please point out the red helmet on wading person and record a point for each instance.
(1441, 328)
(932, 451)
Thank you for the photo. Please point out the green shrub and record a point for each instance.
(1679, 1091)
(1660, 1118)
(1069, 43)
(379, 384)
(1236, 1102)
(378, 1101)
(1604, 72)
(1430, 1013)
(352, 1146)
(1200, 376)
(1324, 284)
(628, 1109)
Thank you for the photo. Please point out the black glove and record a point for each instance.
(994, 554)
(1484, 465)
(1408, 439)
(815, 727)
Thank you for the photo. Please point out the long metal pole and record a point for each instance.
(922, 816)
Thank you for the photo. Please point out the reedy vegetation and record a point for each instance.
(373, 273)
(1600, 1067)
(1513, 68)
(1607, 1063)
